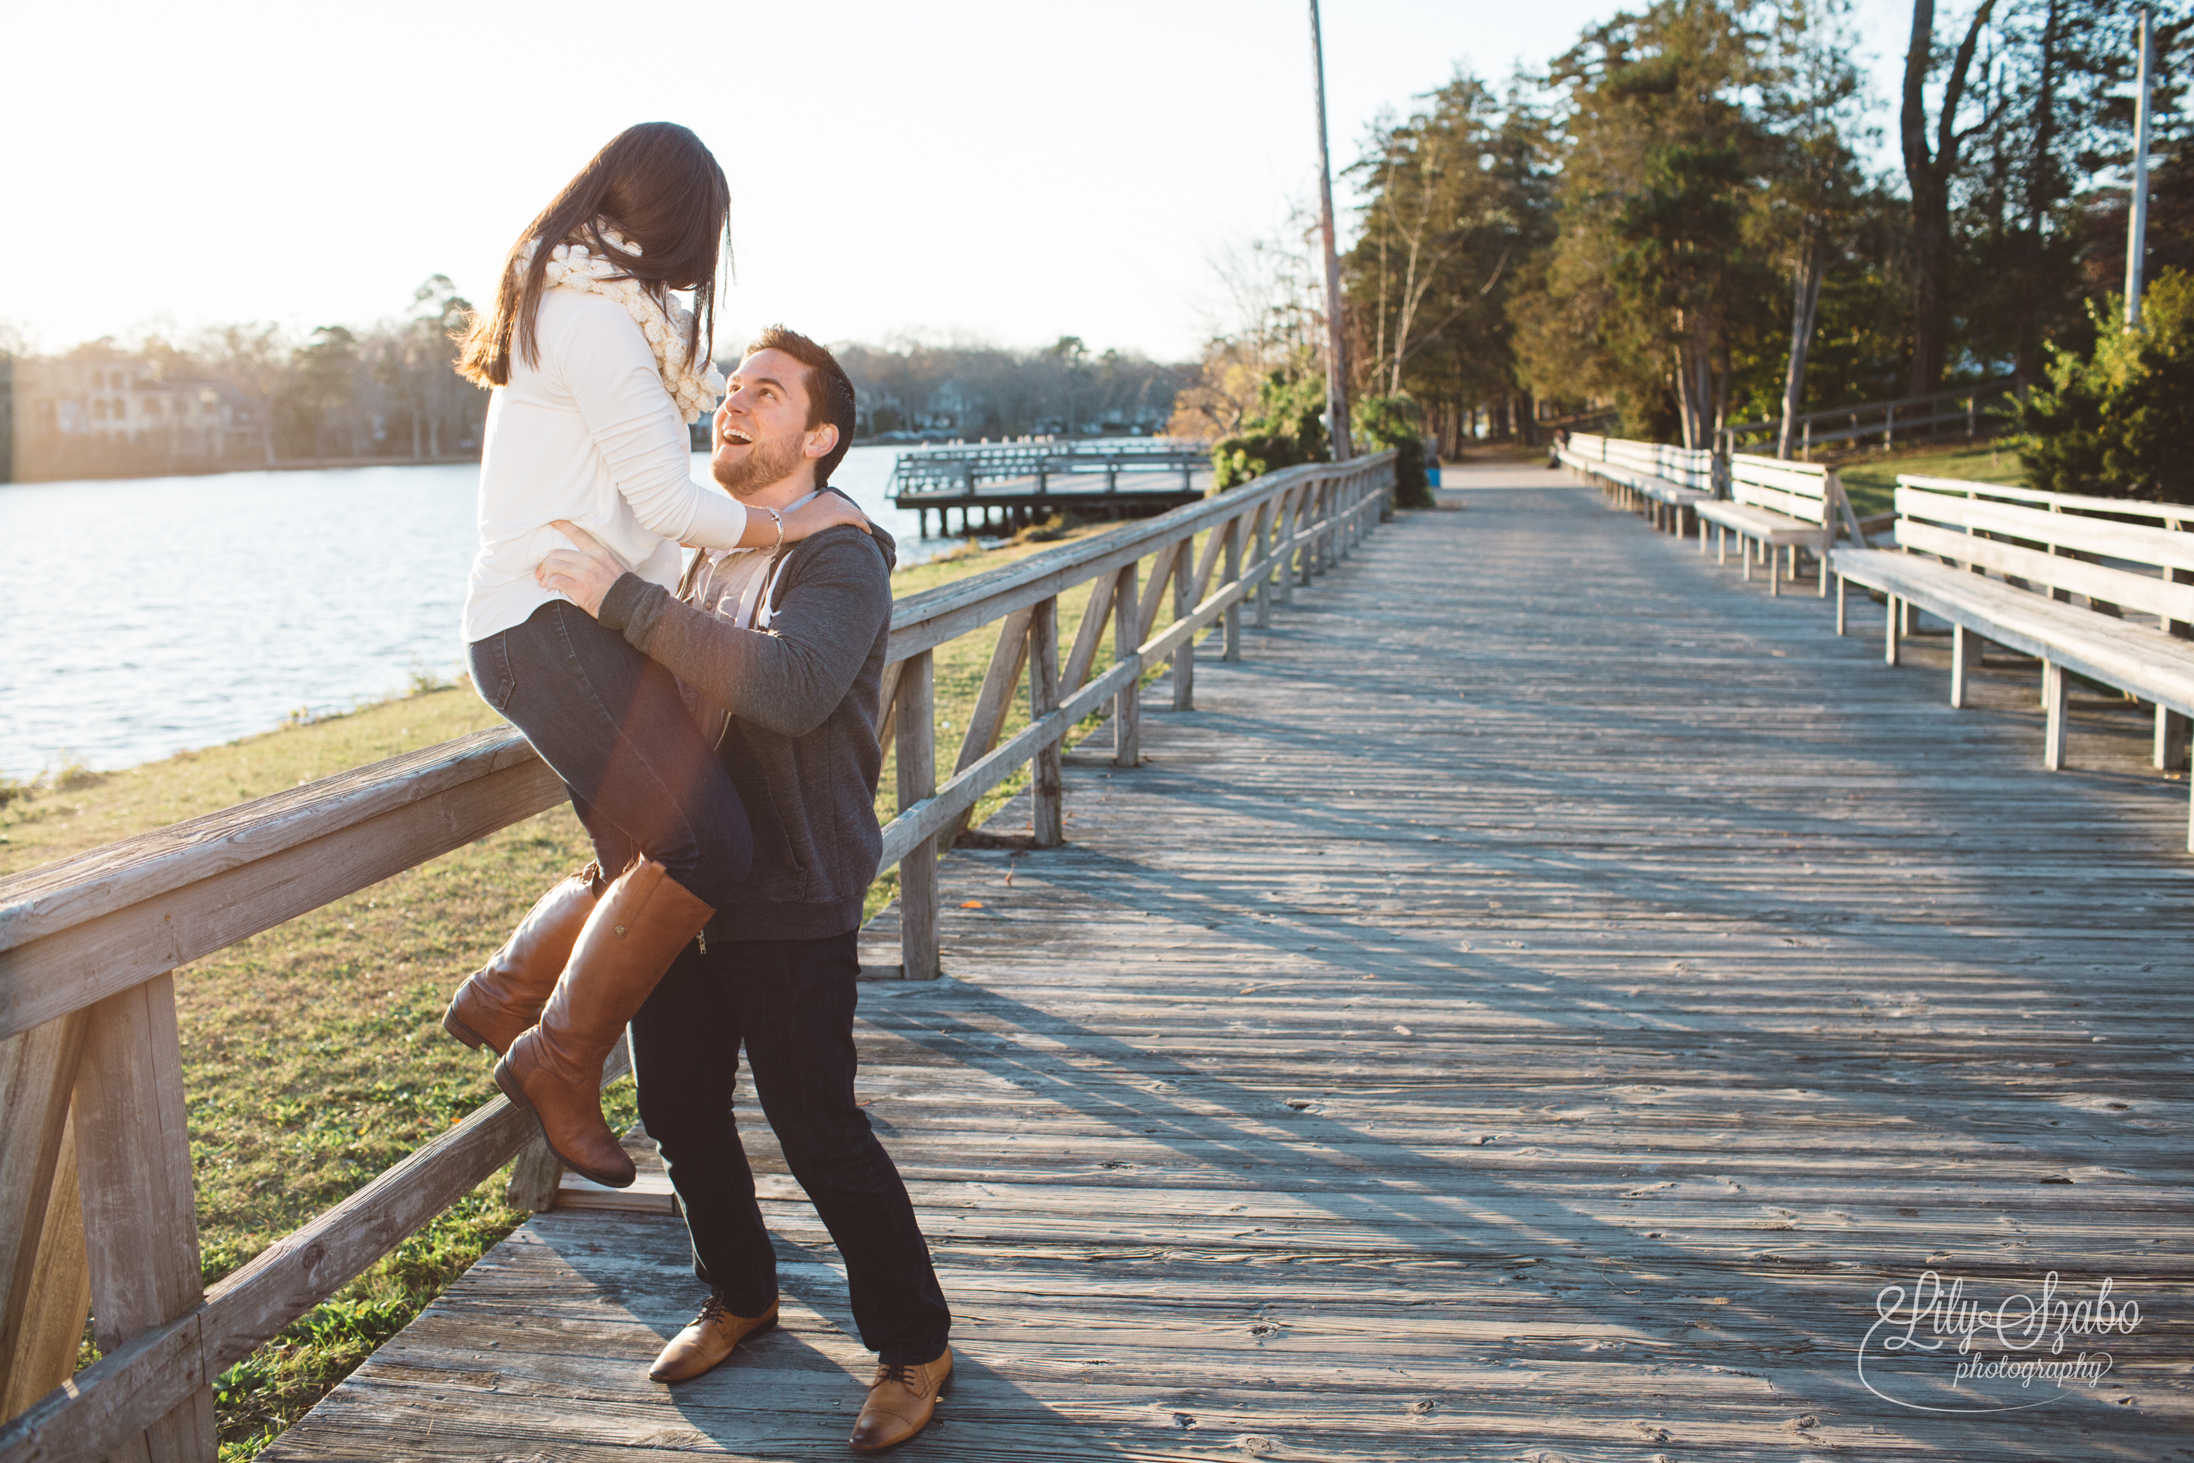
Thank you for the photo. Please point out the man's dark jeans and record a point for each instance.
(613, 725)
(792, 1003)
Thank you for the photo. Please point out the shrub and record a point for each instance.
(1394, 421)
(1288, 429)
(1051, 530)
(2120, 423)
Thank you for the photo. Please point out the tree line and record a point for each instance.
(915, 387)
(256, 395)
(1697, 214)
(236, 396)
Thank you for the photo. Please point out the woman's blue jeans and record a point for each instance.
(613, 725)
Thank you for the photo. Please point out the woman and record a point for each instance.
(596, 370)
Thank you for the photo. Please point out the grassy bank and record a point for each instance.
(1871, 481)
(313, 1053)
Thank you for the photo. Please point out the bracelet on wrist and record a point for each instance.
(778, 519)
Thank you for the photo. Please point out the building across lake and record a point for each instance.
(116, 415)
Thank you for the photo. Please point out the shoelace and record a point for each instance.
(897, 1371)
(711, 1310)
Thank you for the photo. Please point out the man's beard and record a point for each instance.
(764, 464)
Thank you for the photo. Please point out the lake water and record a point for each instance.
(155, 614)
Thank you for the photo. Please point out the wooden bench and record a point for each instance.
(2013, 565)
(1669, 481)
(1780, 506)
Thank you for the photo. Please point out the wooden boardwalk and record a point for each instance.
(1528, 1011)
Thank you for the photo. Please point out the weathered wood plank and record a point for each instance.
(138, 1200)
(915, 754)
(37, 1081)
(220, 887)
(1127, 715)
(1046, 810)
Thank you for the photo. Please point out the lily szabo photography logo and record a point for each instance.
(1937, 1348)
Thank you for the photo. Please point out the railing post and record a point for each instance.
(1232, 622)
(1047, 819)
(134, 1175)
(1127, 702)
(535, 1176)
(1308, 503)
(1291, 523)
(1184, 659)
(916, 748)
(1261, 535)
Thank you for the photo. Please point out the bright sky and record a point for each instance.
(1011, 171)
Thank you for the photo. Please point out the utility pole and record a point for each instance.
(2136, 233)
(1336, 353)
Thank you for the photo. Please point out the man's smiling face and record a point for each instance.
(761, 431)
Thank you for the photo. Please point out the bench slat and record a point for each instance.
(1789, 505)
(1760, 523)
(2097, 581)
(2132, 658)
(1803, 478)
(2159, 546)
(1682, 468)
(2172, 515)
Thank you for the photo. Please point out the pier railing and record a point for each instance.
(958, 470)
(97, 1209)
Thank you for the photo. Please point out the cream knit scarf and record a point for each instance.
(663, 321)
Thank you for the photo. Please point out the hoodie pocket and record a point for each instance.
(799, 877)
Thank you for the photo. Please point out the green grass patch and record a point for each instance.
(1871, 481)
(313, 1055)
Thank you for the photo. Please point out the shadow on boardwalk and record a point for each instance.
(1530, 1009)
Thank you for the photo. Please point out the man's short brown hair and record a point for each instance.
(829, 389)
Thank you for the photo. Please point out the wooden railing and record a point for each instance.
(96, 1194)
(1975, 407)
(959, 469)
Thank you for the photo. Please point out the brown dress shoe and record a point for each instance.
(708, 1341)
(900, 1403)
(505, 996)
(554, 1069)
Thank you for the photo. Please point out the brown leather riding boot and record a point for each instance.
(554, 1069)
(505, 996)
(900, 1403)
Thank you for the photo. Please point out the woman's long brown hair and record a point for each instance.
(657, 186)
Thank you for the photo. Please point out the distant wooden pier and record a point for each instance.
(1010, 485)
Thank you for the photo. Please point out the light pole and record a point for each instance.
(1336, 356)
(2136, 233)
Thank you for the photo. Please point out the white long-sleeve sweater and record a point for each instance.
(590, 435)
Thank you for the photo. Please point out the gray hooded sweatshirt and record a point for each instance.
(801, 745)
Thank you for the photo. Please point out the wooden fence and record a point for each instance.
(1976, 408)
(97, 1207)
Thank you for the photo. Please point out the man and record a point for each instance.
(782, 653)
